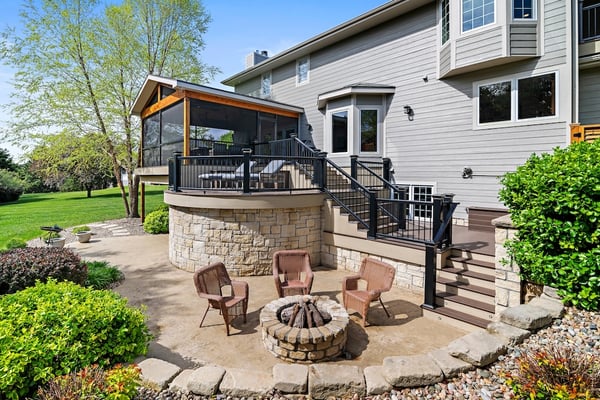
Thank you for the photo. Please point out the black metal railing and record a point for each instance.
(589, 26)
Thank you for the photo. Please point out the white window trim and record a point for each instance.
(262, 88)
(379, 129)
(329, 132)
(304, 82)
(479, 28)
(514, 106)
(411, 195)
(533, 11)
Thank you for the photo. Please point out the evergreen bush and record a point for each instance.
(11, 187)
(157, 221)
(554, 202)
(56, 328)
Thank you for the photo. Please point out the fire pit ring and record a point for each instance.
(304, 345)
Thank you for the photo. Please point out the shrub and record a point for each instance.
(101, 275)
(16, 243)
(118, 383)
(56, 328)
(157, 221)
(554, 201)
(21, 268)
(556, 373)
(82, 228)
(11, 187)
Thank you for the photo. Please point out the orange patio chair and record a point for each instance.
(209, 282)
(292, 272)
(378, 276)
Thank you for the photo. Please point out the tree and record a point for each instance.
(6, 161)
(80, 65)
(64, 156)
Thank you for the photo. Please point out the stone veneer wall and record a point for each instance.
(243, 239)
(508, 281)
(408, 276)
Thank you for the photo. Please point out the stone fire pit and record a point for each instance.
(304, 345)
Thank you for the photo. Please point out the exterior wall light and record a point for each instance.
(409, 111)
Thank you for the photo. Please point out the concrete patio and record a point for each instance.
(174, 312)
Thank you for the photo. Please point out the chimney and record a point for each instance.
(254, 58)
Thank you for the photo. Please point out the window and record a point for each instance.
(524, 9)
(302, 69)
(494, 102)
(537, 96)
(477, 13)
(265, 85)
(339, 132)
(589, 14)
(517, 99)
(416, 192)
(445, 20)
(369, 126)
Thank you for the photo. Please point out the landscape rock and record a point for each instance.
(526, 316)
(181, 380)
(510, 335)
(553, 306)
(450, 366)
(245, 383)
(205, 380)
(327, 380)
(158, 372)
(409, 371)
(375, 381)
(290, 378)
(478, 348)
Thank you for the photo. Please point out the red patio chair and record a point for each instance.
(292, 272)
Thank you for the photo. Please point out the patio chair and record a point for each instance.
(209, 282)
(378, 277)
(292, 272)
(218, 177)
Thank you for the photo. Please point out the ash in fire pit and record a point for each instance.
(303, 314)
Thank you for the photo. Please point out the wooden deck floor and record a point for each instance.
(481, 242)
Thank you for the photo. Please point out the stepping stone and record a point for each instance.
(290, 378)
(410, 371)
(526, 316)
(340, 381)
(375, 381)
(553, 306)
(111, 226)
(510, 335)
(181, 380)
(121, 234)
(450, 366)
(246, 383)
(205, 381)
(478, 348)
(158, 372)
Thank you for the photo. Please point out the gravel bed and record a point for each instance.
(577, 329)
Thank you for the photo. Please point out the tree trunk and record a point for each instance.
(89, 192)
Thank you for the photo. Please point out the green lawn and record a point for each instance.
(23, 218)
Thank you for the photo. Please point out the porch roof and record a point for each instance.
(153, 81)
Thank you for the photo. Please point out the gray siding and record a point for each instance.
(523, 39)
(555, 33)
(589, 96)
(440, 140)
(445, 60)
(478, 47)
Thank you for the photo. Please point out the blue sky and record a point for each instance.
(238, 28)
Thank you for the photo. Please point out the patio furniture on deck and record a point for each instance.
(378, 277)
(271, 174)
(209, 282)
(292, 272)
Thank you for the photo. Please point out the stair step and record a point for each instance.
(470, 274)
(466, 286)
(453, 315)
(480, 305)
(466, 261)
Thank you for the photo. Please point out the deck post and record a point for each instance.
(387, 168)
(175, 171)
(436, 215)
(429, 301)
(320, 167)
(353, 170)
(372, 214)
(246, 180)
(448, 197)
